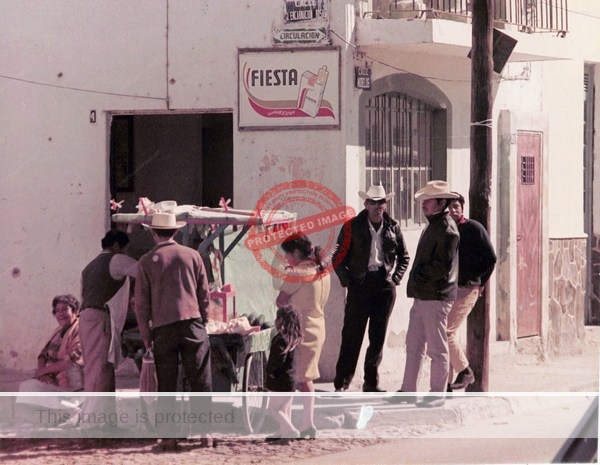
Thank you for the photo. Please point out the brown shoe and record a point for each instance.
(463, 379)
(165, 445)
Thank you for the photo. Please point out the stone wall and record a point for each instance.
(566, 331)
(594, 317)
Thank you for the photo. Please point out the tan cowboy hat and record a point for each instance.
(375, 193)
(435, 190)
(164, 221)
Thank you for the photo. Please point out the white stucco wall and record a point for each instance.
(64, 59)
(565, 110)
(554, 90)
(54, 162)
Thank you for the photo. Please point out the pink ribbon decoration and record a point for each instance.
(144, 206)
(115, 206)
(223, 203)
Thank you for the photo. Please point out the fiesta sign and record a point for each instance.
(289, 88)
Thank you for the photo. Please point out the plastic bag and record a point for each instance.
(148, 378)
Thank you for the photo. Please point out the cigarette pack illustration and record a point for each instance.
(312, 88)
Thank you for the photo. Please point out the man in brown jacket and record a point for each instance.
(171, 298)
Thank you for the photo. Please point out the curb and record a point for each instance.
(457, 412)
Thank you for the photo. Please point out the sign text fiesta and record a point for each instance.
(273, 77)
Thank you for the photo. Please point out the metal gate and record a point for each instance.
(398, 147)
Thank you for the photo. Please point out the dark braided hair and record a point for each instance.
(288, 325)
(302, 243)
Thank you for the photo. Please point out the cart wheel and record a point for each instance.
(254, 406)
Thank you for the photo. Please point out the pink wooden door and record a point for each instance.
(529, 151)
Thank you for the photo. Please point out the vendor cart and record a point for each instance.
(217, 219)
(238, 360)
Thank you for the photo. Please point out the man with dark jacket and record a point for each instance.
(370, 260)
(432, 283)
(477, 260)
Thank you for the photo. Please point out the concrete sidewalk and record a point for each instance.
(517, 374)
(577, 375)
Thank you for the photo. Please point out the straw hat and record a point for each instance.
(164, 221)
(375, 193)
(435, 190)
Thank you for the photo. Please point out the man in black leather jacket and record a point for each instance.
(432, 282)
(370, 260)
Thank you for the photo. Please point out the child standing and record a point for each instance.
(281, 375)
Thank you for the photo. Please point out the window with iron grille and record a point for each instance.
(399, 134)
(527, 170)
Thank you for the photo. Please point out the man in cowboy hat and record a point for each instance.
(432, 282)
(370, 260)
(172, 293)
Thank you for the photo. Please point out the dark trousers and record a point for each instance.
(187, 341)
(370, 302)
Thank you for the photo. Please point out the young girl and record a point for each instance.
(281, 376)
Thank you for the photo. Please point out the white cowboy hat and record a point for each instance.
(375, 193)
(435, 190)
(164, 221)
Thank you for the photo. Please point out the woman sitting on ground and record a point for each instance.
(60, 363)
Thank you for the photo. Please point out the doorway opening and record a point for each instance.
(187, 158)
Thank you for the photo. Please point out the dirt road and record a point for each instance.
(228, 451)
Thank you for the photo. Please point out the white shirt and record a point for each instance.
(376, 254)
(122, 265)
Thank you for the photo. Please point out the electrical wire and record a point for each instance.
(78, 89)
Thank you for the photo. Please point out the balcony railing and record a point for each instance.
(529, 15)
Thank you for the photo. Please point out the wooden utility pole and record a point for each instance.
(482, 68)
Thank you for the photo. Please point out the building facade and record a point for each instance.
(196, 100)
